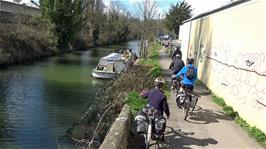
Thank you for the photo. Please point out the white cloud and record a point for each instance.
(200, 6)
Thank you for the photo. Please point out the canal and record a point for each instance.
(40, 101)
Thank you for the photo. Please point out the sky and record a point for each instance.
(198, 6)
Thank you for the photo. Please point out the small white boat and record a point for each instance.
(113, 64)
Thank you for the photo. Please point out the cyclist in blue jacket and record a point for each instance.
(189, 74)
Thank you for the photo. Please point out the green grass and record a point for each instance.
(135, 102)
(156, 71)
(218, 100)
(253, 132)
(153, 60)
(229, 111)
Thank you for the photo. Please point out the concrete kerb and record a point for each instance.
(117, 137)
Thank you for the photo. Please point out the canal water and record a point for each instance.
(40, 101)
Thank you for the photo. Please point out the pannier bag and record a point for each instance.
(159, 125)
(180, 99)
(140, 124)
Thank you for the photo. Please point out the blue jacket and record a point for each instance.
(157, 100)
(183, 72)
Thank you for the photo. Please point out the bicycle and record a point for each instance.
(150, 127)
(186, 100)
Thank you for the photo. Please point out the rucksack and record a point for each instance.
(190, 73)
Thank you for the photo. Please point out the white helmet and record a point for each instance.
(159, 81)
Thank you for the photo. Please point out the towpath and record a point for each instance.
(206, 127)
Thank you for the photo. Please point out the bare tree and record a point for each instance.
(145, 10)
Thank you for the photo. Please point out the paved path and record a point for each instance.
(206, 127)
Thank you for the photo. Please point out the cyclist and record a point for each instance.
(156, 97)
(188, 74)
(176, 65)
(177, 51)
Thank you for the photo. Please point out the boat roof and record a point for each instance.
(112, 57)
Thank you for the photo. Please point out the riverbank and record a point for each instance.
(28, 39)
(21, 43)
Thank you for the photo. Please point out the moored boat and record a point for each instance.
(114, 64)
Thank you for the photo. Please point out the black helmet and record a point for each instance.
(190, 60)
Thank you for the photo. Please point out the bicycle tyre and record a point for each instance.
(195, 104)
(186, 108)
(186, 112)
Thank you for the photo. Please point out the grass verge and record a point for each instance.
(153, 60)
(253, 132)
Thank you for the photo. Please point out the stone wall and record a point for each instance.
(117, 137)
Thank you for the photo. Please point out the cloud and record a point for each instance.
(200, 6)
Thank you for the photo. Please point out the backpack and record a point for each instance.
(190, 73)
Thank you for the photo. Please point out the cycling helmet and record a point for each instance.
(190, 60)
(159, 82)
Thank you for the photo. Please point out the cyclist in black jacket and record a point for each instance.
(177, 52)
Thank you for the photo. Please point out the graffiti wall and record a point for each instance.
(230, 51)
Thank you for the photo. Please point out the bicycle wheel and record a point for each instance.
(186, 112)
(195, 104)
(186, 108)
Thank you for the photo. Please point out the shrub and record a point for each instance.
(135, 102)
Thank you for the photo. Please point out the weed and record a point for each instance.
(218, 100)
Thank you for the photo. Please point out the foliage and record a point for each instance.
(105, 25)
(176, 15)
(229, 111)
(156, 71)
(64, 18)
(135, 102)
(218, 100)
(15, 46)
(153, 60)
